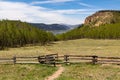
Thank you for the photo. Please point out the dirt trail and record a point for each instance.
(56, 74)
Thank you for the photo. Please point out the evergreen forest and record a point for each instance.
(107, 31)
(17, 33)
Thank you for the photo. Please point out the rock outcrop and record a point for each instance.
(103, 17)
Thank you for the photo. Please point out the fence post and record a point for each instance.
(57, 56)
(54, 62)
(39, 59)
(66, 59)
(46, 59)
(94, 59)
(14, 59)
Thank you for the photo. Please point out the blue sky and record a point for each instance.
(54, 11)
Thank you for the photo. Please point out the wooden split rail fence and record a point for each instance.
(55, 59)
(91, 59)
(45, 59)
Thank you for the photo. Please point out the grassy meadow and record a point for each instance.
(25, 72)
(72, 72)
(91, 72)
(79, 46)
(87, 47)
(24, 51)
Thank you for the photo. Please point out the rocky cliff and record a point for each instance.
(103, 17)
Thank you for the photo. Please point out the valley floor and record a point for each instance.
(71, 72)
(79, 46)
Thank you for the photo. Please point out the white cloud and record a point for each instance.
(50, 1)
(30, 13)
(75, 11)
(86, 5)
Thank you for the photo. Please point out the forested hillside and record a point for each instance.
(103, 24)
(17, 33)
(108, 31)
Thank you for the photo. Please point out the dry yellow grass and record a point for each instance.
(24, 51)
(80, 47)
(87, 47)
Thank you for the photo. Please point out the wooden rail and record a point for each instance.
(45, 59)
(56, 59)
(90, 59)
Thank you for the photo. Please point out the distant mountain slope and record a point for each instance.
(51, 27)
(74, 26)
(103, 17)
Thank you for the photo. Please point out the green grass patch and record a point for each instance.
(25, 72)
(91, 72)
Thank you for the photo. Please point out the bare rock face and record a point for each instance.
(102, 17)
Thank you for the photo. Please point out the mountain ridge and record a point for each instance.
(50, 27)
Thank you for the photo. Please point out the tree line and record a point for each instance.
(17, 33)
(108, 31)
